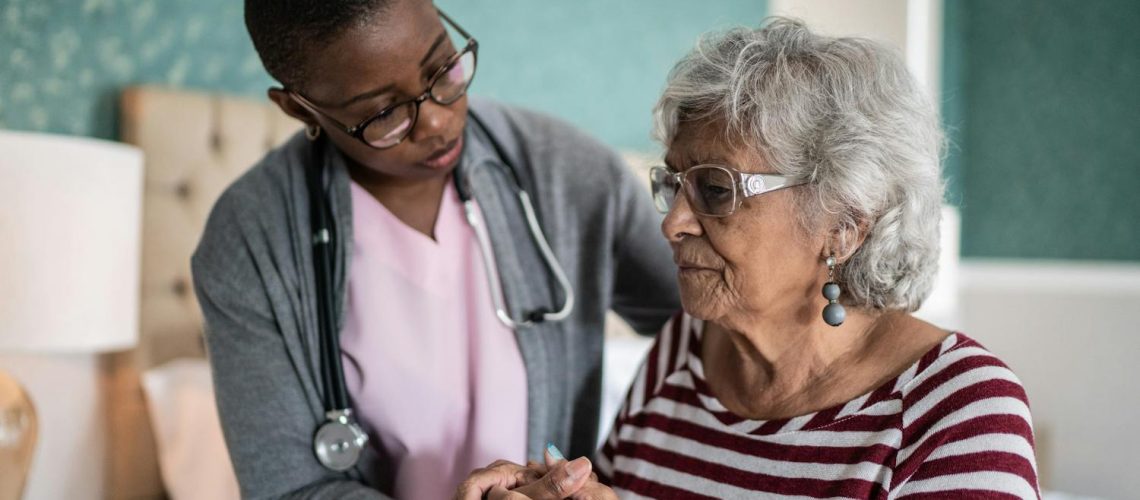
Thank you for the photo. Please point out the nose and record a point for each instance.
(680, 221)
(433, 120)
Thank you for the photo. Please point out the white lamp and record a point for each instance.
(70, 212)
(70, 216)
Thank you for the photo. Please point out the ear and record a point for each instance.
(291, 107)
(847, 235)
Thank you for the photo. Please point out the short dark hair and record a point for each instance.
(284, 30)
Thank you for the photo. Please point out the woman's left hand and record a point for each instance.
(592, 490)
(507, 480)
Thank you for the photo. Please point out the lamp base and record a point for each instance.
(18, 431)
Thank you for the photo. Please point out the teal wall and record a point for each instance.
(597, 63)
(64, 62)
(1043, 103)
(1040, 98)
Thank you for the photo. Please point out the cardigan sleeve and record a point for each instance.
(268, 416)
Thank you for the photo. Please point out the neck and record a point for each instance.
(386, 187)
(414, 201)
(766, 368)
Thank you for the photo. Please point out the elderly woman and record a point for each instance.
(802, 194)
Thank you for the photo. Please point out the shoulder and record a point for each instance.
(552, 148)
(267, 183)
(966, 413)
(252, 207)
(959, 385)
(961, 376)
(539, 131)
(965, 397)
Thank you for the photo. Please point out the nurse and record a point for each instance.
(437, 381)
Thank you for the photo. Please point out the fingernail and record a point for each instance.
(577, 469)
(554, 452)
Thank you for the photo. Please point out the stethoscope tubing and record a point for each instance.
(495, 285)
(339, 440)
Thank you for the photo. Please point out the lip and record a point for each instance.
(445, 157)
(692, 268)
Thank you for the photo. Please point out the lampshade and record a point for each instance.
(70, 213)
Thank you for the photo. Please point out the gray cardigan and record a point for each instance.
(254, 279)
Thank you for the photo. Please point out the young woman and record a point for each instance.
(456, 257)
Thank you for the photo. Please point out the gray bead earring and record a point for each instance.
(833, 312)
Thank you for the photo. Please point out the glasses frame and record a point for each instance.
(745, 185)
(357, 131)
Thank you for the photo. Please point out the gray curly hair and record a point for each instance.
(843, 113)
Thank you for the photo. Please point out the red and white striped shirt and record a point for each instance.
(955, 424)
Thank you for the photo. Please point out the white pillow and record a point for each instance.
(192, 454)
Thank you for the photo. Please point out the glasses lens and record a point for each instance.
(711, 190)
(391, 127)
(664, 188)
(453, 82)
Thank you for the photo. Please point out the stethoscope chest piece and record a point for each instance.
(339, 441)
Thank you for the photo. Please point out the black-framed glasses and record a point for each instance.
(391, 125)
(712, 190)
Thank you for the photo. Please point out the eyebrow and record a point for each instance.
(435, 45)
(708, 159)
(367, 95)
(692, 161)
(375, 92)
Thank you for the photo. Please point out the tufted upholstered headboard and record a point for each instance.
(195, 145)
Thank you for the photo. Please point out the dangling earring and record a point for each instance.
(312, 132)
(833, 312)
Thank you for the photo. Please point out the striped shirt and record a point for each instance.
(955, 424)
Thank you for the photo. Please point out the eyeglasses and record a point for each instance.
(391, 125)
(712, 190)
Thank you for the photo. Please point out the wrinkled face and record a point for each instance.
(756, 262)
(388, 61)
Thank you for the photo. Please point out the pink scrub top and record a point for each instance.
(437, 381)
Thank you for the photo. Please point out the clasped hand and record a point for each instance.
(554, 480)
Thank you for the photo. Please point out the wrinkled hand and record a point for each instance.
(505, 480)
(591, 490)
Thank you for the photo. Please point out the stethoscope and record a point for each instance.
(339, 440)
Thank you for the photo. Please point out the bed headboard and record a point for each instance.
(195, 144)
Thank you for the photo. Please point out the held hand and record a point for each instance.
(592, 490)
(501, 473)
(507, 480)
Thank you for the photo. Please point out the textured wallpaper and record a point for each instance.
(597, 63)
(64, 62)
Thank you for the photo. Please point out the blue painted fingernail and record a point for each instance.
(554, 451)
